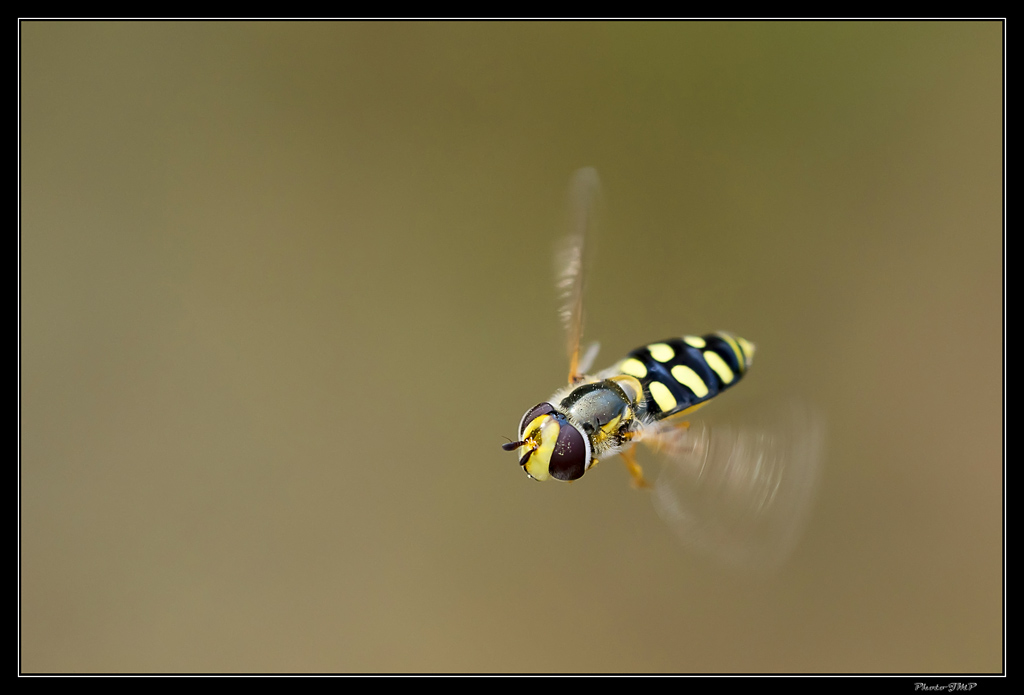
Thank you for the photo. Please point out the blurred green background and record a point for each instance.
(285, 287)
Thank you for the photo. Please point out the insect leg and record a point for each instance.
(635, 471)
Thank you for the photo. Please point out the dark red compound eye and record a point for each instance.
(569, 456)
(534, 412)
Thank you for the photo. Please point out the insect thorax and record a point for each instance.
(605, 411)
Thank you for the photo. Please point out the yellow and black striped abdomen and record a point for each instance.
(681, 374)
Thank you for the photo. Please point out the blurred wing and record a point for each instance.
(588, 357)
(741, 494)
(571, 260)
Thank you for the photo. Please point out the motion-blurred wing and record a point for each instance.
(741, 494)
(572, 259)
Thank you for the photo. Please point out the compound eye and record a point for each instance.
(533, 413)
(570, 455)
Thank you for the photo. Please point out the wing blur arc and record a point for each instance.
(573, 257)
(741, 494)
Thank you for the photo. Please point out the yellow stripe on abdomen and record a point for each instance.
(716, 362)
(633, 367)
(662, 396)
(690, 379)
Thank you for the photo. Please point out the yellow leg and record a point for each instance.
(635, 471)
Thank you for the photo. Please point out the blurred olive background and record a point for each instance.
(285, 287)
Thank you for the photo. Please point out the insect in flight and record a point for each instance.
(740, 493)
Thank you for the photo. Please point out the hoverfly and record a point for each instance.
(737, 492)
